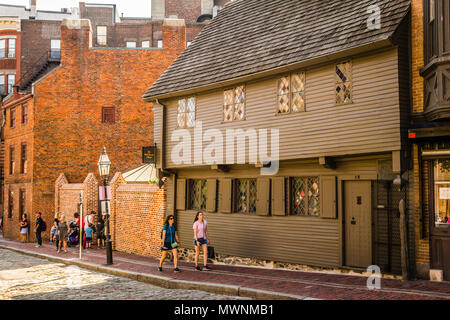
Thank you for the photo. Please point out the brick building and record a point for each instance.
(93, 98)
(430, 135)
(191, 10)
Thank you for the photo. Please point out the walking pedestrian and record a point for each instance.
(38, 229)
(100, 226)
(57, 231)
(24, 227)
(81, 226)
(201, 239)
(170, 242)
(63, 233)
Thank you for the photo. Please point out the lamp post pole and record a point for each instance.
(109, 259)
(103, 167)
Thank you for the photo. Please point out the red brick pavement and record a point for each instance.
(308, 284)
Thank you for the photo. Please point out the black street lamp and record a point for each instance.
(103, 167)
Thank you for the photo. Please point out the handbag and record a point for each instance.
(174, 244)
(211, 253)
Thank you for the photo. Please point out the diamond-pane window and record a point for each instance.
(197, 194)
(234, 104)
(283, 95)
(298, 92)
(305, 197)
(186, 113)
(344, 83)
(245, 195)
(291, 93)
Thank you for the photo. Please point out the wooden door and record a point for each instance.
(358, 223)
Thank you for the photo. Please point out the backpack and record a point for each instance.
(43, 225)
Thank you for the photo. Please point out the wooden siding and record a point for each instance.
(293, 239)
(371, 124)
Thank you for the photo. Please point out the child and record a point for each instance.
(53, 231)
(89, 232)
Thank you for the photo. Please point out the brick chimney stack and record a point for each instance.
(76, 38)
(174, 34)
(33, 9)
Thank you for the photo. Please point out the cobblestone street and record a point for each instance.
(27, 278)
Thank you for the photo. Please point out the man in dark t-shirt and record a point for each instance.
(38, 229)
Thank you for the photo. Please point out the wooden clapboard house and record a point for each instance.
(336, 88)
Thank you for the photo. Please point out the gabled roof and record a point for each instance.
(251, 36)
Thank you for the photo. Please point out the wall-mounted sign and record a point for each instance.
(444, 193)
(149, 154)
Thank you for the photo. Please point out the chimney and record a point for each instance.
(158, 9)
(76, 38)
(174, 34)
(33, 9)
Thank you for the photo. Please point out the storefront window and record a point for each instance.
(442, 193)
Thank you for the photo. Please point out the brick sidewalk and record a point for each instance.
(288, 284)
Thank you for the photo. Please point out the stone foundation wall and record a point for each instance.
(188, 255)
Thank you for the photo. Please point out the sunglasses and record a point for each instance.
(171, 218)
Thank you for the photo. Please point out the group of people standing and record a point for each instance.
(95, 224)
(170, 241)
(39, 227)
(62, 229)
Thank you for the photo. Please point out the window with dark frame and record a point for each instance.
(23, 159)
(245, 193)
(344, 83)
(10, 204)
(11, 160)
(304, 196)
(24, 114)
(109, 115)
(197, 190)
(12, 117)
(22, 198)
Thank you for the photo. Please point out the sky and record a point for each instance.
(130, 8)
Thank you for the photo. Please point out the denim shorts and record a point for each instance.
(201, 241)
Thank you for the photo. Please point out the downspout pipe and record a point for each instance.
(163, 136)
(163, 172)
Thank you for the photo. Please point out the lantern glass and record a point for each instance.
(104, 164)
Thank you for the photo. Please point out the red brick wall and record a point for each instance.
(189, 10)
(67, 196)
(17, 181)
(137, 217)
(68, 131)
(422, 245)
(36, 38)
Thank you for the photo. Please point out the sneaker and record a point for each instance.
(37, 246)
(176, 270)
(207, 268)
(198, 268)
(160, 269)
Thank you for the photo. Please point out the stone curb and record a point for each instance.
(168, 283)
